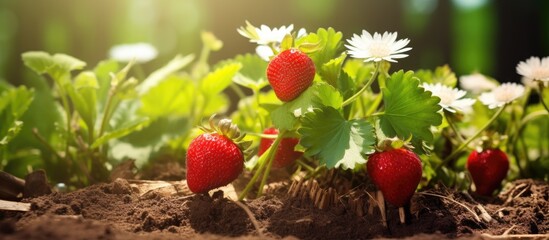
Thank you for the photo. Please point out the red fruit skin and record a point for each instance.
(396, 173)
(488, 168)
(290, 73)
(213, 161)
(285, 153)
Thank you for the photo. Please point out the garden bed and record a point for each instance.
(119, 210)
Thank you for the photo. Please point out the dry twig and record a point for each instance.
(512, 197)
(14, 206)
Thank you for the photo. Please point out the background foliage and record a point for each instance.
(469, 35)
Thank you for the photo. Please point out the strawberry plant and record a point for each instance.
(107, 116)
(310, 98)
(14, 102)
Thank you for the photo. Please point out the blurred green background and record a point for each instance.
(471, 35)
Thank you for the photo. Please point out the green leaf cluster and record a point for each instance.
(442, 74)
(335, 141)
(409, 110)
(14, 102)
(286, 117)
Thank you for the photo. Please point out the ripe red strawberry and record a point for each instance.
(216, 157)
(290, 73)
(396, 173)
(488, 168)
(285, 153)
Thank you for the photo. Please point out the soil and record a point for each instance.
(118, 210)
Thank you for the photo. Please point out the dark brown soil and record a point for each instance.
(116, 211)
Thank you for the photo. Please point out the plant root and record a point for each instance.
(484, 214)
(477, 218)
(515, 236)
(252, 218)
(381, 204)
(310, 190)
(402, 215)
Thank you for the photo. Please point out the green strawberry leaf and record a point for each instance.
(216, 104)
(12, 132)
(330, 45)
(252, 73)
(336, 142)
(253, 112)
(17, 101)
(284, 117)
(319, 94)
(84, 96)
(331, 70)
(358, 70)
(40, 62)
(102, 72)
(64, 63)
(58, 66)
(172, 97)
(442, 74)
(122, 131)
(216, 81)
(173, 66)
(328, 96)
(409, 110)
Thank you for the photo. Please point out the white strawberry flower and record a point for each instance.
(268, 38)
(535, 68)
(377, 47)
(264, 35)
(476, 83)
(531, 83)
(502, 95)
(264, 52)
(140, 52)
(451, 99)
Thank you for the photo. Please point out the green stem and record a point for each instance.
(516, 153)
(517, 136)
(375, 104)
(270, 161)
(238, 91)
(66, 107)
(269, 156)
(304, 165)
(364, 88)
(139, 72)
(46, 143)
(470, 139)
(106, 113)
(316, 171)
(204, 54)
(249, 108)
(530, 117)
(453, 126)
(262, 135)
(540, 88)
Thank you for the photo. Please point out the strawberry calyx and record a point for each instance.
(227, 128)
(387, 144)
(305, 47)
(490, 140)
